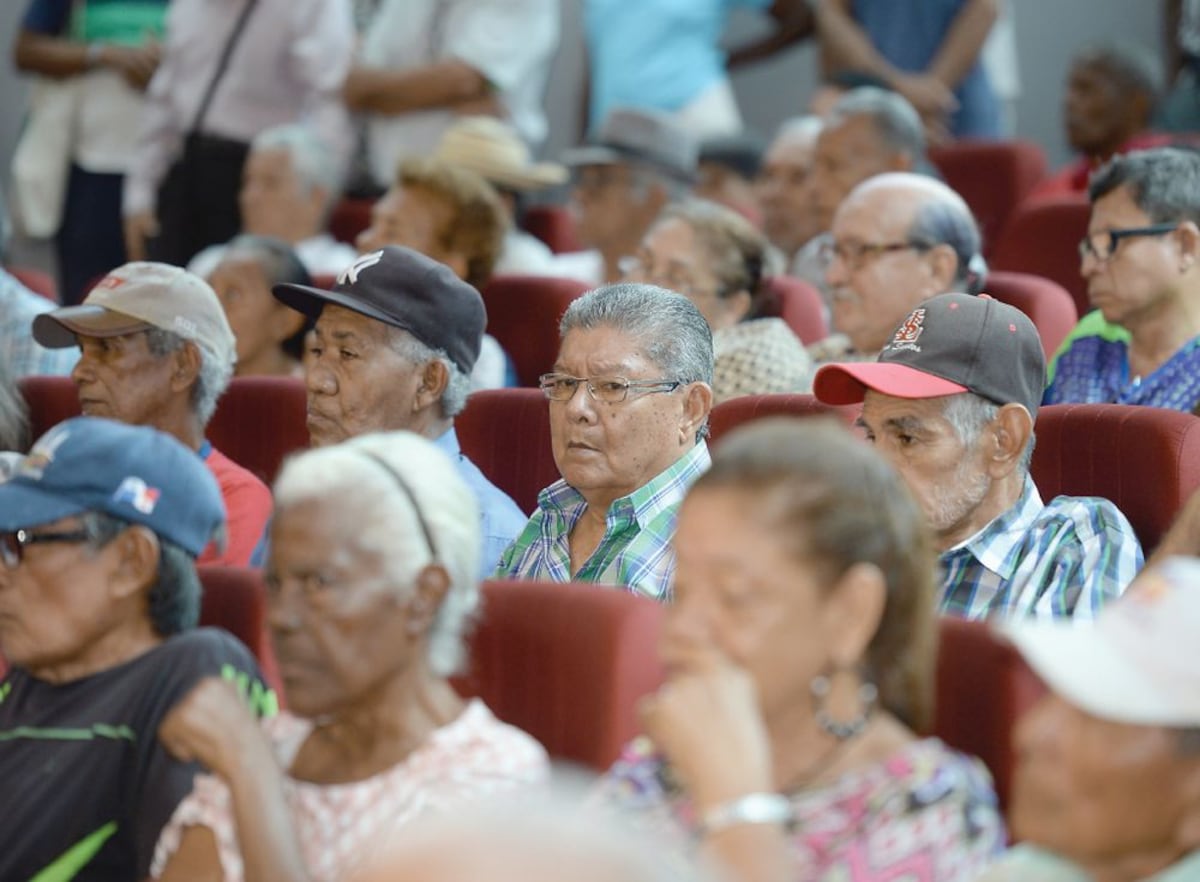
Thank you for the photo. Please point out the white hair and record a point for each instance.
(312, 161)
(412, 350)
(969, 414)
(387, 474)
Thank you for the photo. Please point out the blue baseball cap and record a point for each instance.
(133, 473)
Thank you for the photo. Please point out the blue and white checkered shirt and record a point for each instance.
(1062, 560)
(19, 354)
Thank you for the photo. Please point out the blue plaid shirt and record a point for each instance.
(19, 354)
(1065, 559)
(635, 551)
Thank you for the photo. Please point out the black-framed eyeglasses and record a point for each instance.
(13, 544)
(609, 390)
(855, 254)
(1103, 243)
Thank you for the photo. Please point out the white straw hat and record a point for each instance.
(493, 150)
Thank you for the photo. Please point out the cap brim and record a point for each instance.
(58, 329)
(311, 301)
(1088, 671)
(22, 505)
(848, 383)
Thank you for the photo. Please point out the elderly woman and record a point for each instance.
(800, 657)
(1141, 260)
(371, 585)
(270, 336)
(715, 258)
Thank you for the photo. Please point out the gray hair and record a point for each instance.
(895, 120)
(14, 415)
(969, 414)
(213, 378)
(458, 386)
(802, 128)
(280, 263)
(733, 247)
(312, 161)
(1133, 67)
(945, 219)
(400, 480)
(1164, 182)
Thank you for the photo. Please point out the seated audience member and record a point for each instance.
(789, 216)
(897, 239)
(372, 588)
(393, 348)
(454, 216)
(1140, 259)
(629, 397)
(289, 185)
(493, 150)
(836, 84)
(800, 664)
(715, 258)
(14, 425)
(270, 336)
(638, 161)
(1107, 781)
(99, 600)
(951, 403)
(156, 350)
(1111, 94)
(868, 132)
(726, 171)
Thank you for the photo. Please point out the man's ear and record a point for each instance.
(188, 361)
(943, 266)
(138, 553)
(432, 584)
(697, 403)
(1006, 438)
(434, 379)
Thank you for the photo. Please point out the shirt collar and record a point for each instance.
(998, 545)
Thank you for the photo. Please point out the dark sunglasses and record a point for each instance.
(12, 544)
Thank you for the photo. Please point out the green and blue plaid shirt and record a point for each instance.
(1062, 560)
(635, 551)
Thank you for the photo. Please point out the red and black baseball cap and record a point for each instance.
(949, 344)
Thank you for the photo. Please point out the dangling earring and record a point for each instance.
(821, 687)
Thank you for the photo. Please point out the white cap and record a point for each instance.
(1138, 663)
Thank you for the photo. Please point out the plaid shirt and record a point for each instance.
(635, 551)
(19, 354)
(1065, 559)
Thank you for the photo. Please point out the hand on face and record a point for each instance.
(212, 725)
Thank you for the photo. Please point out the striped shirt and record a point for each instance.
(1065, 559)
(20, 354)
(635, 551)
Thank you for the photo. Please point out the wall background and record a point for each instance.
(1048, 33)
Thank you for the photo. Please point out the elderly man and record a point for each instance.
(98, 606)
(869, 131)
(156, 350)
(899, 238)
(638, 161)
(394, 346)
(289, 184)
(789, 217)
(1107, 783)
(629, 397)
(951, 404)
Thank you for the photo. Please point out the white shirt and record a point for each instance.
(524, 255)
(587, 266)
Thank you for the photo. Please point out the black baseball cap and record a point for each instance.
(949, 344)
(405, 289)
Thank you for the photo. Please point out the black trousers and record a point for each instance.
(198, 199)
(90, 240)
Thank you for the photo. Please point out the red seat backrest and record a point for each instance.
(1145, 459)
(506, 433)
(50, 401)
(35, 280)
(799, 305)
(1047, 303)
(567, 663)
(259, 421)
(728, 415)
(992, 177)
(236, 599)
(554, 225)
(1042, 237)
(523, 314)
(349, 218)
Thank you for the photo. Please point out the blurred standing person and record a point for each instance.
(229, 70)
(103, 53)
(1180, 109)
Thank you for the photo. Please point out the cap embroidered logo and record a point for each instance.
(350, 273)
(134, 491)
(910, 331)
(42, 454)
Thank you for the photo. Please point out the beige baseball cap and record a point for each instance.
(139, 296)
(1137, 663)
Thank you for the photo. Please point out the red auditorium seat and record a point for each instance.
(523, 314)
(554, 225)
(566, 663)
(50, 401)
(236, 599)
(349, 218)
(35, 280)
(1145, 459)
(799, 304)
(728, 415)
(992, 177)
(983, 687)
(1042, 237)
(506, 433)
(259, 421)
(1046, 302)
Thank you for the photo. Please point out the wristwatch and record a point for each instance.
(753, 808)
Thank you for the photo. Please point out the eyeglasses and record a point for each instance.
(12, 545)
(855, 254)
(1103, 244)
(609, 390)
(639, 269)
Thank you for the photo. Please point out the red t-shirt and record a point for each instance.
(247, 510)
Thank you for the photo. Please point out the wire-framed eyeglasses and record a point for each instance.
(609, 390)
